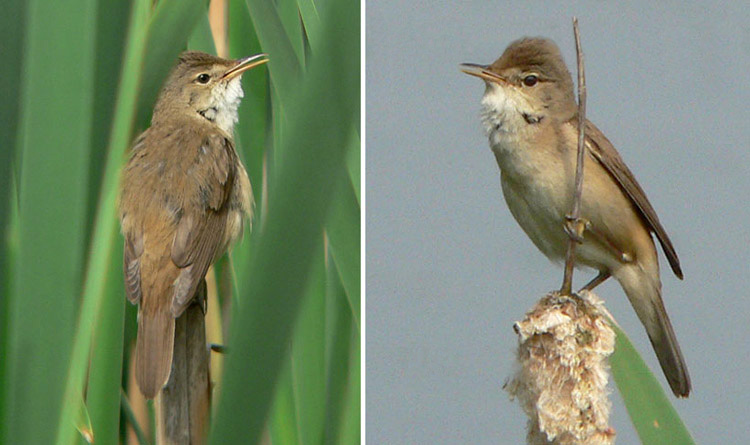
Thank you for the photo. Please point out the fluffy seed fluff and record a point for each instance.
(561, 383)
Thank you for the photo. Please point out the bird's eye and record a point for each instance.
(203, 78)
(530, 80)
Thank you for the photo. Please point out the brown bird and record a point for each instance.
(530, 115)
(184, 196)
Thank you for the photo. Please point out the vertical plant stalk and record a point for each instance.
(321, 107)
(132, 419)
(565, 341)
(217, 17)
(575, 215)
(182, 406)
(105, 226)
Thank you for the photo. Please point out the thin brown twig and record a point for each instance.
(576, 213)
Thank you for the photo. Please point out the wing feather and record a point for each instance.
(131, 263)
(199, 238)
(604, 152)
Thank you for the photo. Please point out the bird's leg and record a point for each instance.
(201, 296)
(201, 299)
(599, 279)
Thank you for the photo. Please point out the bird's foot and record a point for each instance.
(221, 349)
(575, 227)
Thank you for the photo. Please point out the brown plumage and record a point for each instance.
(531, 118)
(184, 195)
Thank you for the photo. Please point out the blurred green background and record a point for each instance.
(79, 82)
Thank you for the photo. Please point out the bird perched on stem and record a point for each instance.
(530, 115)
(184, 196)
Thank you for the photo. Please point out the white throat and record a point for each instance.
(506, 115)
(502, 113)
(224, 104)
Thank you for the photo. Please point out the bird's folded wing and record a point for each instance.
(200, 232)
(604, 152)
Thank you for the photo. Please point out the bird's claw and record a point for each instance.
(575, 227)
(215, 347)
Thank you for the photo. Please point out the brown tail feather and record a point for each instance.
(668, 352)
(644, 294)
(153, 351)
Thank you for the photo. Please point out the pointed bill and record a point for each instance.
(481, 71)
(245, 64)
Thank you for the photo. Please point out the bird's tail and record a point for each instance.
(153, 350)
(644, 293)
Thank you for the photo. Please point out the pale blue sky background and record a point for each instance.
(449, 270)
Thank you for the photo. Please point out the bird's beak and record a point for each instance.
(244, 65)
(483, 72)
